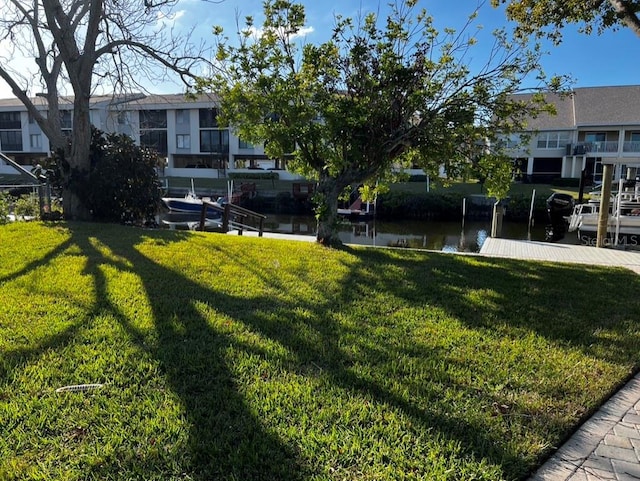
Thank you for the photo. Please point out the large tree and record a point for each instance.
(549, 17)
(77, 44)
(378, 94)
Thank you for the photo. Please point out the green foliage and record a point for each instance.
(122, 184)
(380, 93)
(519, 206)
(27, 206)
(234, 358)
(406, 205)
(4, 208)
(548, 17)
(496, 172)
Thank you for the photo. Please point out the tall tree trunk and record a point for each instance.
(327, 212)
(79, 159)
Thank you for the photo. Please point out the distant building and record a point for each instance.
(593, 126)
(182, 130)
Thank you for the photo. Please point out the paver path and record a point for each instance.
(606, 447)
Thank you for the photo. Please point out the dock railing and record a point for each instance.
(233, 217)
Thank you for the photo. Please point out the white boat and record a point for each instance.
(191, 203)
(623, 220)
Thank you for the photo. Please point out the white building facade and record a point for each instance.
(184, 131)
(592, 126)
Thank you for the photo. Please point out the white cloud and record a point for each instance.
(303, 32)
(170, 19)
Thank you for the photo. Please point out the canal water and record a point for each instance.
(441, 236)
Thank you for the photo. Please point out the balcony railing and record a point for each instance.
(631, 146)
(582, 148)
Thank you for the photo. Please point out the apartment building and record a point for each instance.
(592, 126)
(184, 131)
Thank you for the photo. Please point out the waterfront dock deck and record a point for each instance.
(573, 254)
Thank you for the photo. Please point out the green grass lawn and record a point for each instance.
(227, 358)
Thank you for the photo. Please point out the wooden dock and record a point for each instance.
(550, 252)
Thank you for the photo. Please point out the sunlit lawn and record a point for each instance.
(228, 358)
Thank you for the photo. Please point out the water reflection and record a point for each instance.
(441, 236)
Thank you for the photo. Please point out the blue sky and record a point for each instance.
(608, 59)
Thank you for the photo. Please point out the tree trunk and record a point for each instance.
(79, 159)
(327, 212)
(73, 207)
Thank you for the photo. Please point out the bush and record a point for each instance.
(4, 208)
(520, 205)
(122, 185)
(404, 205)
(27, 206)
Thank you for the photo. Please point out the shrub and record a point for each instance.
(520, 205)
(122, 184)
(404, 205)
(27, 206)
(4, 208)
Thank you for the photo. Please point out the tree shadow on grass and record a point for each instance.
(228, 437)
(555, 301)
(226, 440)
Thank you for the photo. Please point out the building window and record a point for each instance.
(182, 116)
(66, 120)
(208, 118)
(591, 137)
(244, 145)
(155, 139)
(10, 120)
(553, 140)
(36, 141)
(183, 141)
(153, 119)
(511, 141)
(214, 141)
(11, 140)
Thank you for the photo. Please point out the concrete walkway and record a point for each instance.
(576, 254)
(607, 446)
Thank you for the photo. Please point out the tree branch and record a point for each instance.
(626, 14)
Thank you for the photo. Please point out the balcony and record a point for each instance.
(631, 146)
(594, 148)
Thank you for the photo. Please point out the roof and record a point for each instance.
(133, 100)
(590, 107)
(563, 119)
(607, 106)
